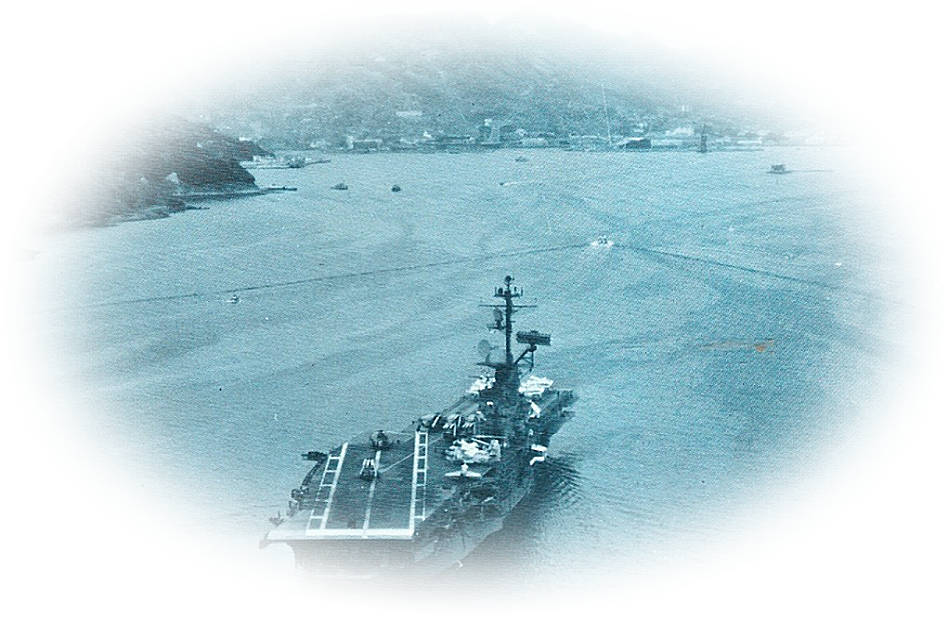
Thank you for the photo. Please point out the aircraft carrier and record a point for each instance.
(425, 496)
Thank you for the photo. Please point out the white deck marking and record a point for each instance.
(368, 507)
(414, 476)
(360, 534)
(324, 517)
(331, 461)
(419, 479)
(335, 482)
(411, 455)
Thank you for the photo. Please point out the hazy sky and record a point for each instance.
(61, 38)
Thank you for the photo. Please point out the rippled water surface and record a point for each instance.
(761, 360)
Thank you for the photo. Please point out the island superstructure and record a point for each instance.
(427, 495)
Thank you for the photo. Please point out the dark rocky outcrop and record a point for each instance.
(68, 162)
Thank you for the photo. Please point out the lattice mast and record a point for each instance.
(507, 372)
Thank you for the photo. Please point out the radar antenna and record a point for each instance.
(506, 372)
(503, 314)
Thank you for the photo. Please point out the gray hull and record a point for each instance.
(431, 560)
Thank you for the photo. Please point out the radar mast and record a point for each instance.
(507, 372)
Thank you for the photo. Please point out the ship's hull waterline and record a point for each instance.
(426, 496)
(450, 554)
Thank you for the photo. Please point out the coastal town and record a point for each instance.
(491, 135)
(516, 308)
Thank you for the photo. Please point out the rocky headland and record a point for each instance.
(69, 163)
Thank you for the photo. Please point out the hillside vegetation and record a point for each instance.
(400, 75)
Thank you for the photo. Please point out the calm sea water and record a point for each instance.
(358, 309)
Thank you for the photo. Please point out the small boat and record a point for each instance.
(603, 242)
(340, 186)
(234, 300)
(280, 188)
(280, 163)
(778, 168)
(396, 188)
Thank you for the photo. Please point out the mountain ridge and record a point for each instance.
(400, 75)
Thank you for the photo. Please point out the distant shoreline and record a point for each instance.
(13, 252)
(189, 201)
(475, 148)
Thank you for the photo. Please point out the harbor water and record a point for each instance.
(721, 346)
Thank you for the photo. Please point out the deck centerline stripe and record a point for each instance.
(368, 507)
